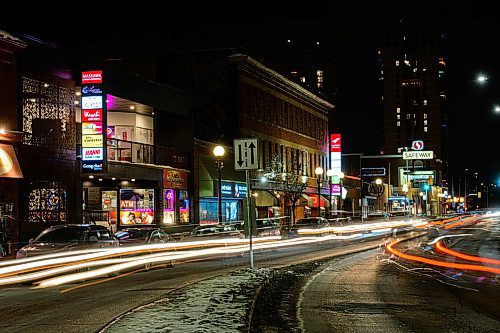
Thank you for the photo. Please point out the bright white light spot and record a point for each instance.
(481, 78)
(497, 108)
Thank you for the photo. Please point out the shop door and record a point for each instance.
(109, 204)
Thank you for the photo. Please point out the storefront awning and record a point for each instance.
(264, 199)
(313, 200)
(9, 166)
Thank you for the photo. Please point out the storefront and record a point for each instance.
(175, 197)
(232, 195)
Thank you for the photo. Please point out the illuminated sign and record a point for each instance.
(91, 102)
(92, 128)
(93, 141)
(336, 144)
(418, 155)
(9, 166)
(368, 172)
(93, 134)
(234, 190)
(336, 156)
(92, 154)
(90, 77)
(417, 145)
(91, 90)
(336, 189)
(92, 115)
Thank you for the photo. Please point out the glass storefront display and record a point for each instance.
(175, 206)
(136, 206)
(232, 210)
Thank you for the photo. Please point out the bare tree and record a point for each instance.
(290, 179)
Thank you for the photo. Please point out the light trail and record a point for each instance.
(440, 246)
(433, 262)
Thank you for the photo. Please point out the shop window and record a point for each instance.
(136, 206)
(183, 206)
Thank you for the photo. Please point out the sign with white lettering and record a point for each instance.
(418, 155)
(93, 134)
(246, 154)
(92, 154)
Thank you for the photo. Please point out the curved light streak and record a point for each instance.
(440, 246)
(439, 263)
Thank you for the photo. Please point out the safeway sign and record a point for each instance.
(418, 155)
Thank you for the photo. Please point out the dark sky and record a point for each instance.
(472, 28)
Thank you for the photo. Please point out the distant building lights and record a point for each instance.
(3, 131)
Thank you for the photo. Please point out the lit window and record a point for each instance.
(425, 122)
(397, 63)
(398, 110)
(415, 102)
(408, 116)
(407, 63)
(425, 102)
(425, 128)
(398, 116)
(442, 62)
(302, 79)
(425, 115)
(414, 70)
(398, 123)
(424, 69)
(404, 37)
(319, 72)
(293, 73)
(441, 73)
(320, 85)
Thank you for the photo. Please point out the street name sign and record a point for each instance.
(246, 154)
(418, 155)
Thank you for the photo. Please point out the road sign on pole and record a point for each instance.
(246, 154)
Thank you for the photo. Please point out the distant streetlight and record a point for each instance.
(481, 78)
(330, 173)
(219, 164)
(497, 108)
(378, 181)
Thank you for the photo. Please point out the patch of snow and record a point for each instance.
(220, 304)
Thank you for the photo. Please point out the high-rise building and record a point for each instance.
(413, 92)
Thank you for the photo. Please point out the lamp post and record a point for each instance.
(378, 181)
(319, 171)
(329, 174)
(219, 164)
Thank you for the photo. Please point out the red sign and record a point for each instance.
(417, 145)
(174, 179)
(92, 77)
(336, 144)
(92, 115)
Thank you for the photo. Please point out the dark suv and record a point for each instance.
(68, 237)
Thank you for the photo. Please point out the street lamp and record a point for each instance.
(497, 108)
(318, 171)
(481, 79)
(329, 174)
(219, 164)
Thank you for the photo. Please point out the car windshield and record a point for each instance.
(213, 229)
(61, 235)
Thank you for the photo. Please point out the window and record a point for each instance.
(397, 63)
(398, 123)
(425, 115)
(398, 110)
(302, 79)
(425, 122)
(398, 116)
(425, 102)
(425, 128)
(408, 116)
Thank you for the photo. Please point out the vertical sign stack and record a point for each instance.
(93, 123)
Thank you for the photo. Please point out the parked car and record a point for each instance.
(213, 231)
(316, 223)
(144, 235)
(68, 237)
(268, 227)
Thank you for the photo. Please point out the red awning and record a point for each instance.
(9, 166)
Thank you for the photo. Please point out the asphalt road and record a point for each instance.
(90, 306)
(363, 293)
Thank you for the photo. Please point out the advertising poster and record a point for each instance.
(136, 206)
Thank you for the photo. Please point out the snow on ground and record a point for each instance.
(219, 304)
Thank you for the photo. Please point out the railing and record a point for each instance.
(129, 151)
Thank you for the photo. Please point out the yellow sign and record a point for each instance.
(92, 141)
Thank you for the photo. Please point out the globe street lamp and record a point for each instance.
(497, 108)
(329, 174)
(219, 164)
(318, 171)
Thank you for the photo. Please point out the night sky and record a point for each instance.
(472, 29)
